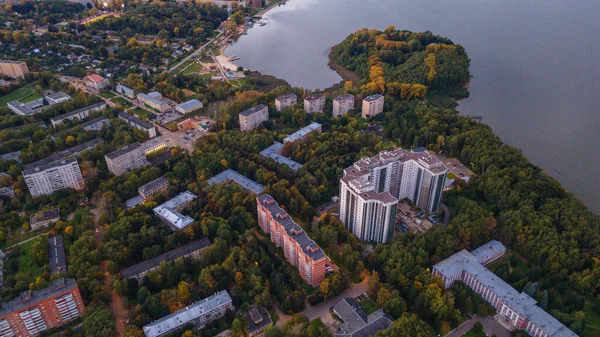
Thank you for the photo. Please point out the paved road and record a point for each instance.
(320, 310)
(490, 327)
(25, 241)
(174, 138)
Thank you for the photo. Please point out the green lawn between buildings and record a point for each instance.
(23, 95)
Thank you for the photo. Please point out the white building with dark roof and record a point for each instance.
(314, 103)
(79, 114)
(57, 97)
(125, 159)
(188, 106)
(47, 179)
(356, 322)
(517, 309)
(284, 101)
(138, 123)
(372, 106)
(342, 104)
(199, 313)
(96, 124)
(251, 118)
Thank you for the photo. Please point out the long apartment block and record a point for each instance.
(125, 159)
(302, 252)
(49, 178)
(371, 188)
(79, 114)
(138, 123)
(35, 312)
(517, 309)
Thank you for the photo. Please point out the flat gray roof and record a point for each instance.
(193, 103)
(302, 132)
(253, 110)
(134, 120)
(28, 297)
(272, 152)
(156, 182)
(125, 149)
(373, 97)
(241, 180)
(343, 97)
(75, 112)
(356, 322)
(49, 166)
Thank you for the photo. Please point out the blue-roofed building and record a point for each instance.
(125, 91)
(231, 175)
(189, 106)
(517, 309)
(274, 152)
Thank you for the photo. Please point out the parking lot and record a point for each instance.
(456, 167)
(409, 219)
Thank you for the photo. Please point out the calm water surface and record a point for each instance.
(535, 66)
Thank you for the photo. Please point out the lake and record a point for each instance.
(534, 64)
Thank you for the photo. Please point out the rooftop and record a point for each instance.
(125, 149)
(253, 110)
(373, 97)
(168, 256)
(130, 203)
(273, 153)
(285, 96)
(78, 111)
(343, 97)
(11, 156)
(153, 184)
(58, 261)
(58, 96)
(152, 142)
(52, 165)
(302, 132)
(259, 319)
(187, 315)
(191, 104)
(121, 87)
(314, 97)
(95, 78)
(356, 322)
(44, 216)
(75, 150)
(94, 121)
(149, 98)
(241, 180)
(24, 109)
(27, 298)
(134, 120)
(293, 230)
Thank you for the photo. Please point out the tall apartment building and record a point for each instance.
(302, 252)
(127, 158)
(34, 312)
(372, 106)
(517, 309)
(79, 114)
(138, 123)
(192, 250)
(342, 104)
(14, 69)
(253, 117)
(49, 178)
(314, 103)
(285, 101)
(371, 188)
(199, 313)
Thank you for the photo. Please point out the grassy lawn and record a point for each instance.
(142, 113)
(592, 321)
(308, 289)
(122, 102)
(368, 306)
(24, 94)
(26, 264)
(193, 68)
(106, 94)
(182, 65)
(472, 333)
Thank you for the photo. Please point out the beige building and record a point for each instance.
(285, 101)
(253, 117)
(372, 106)
(14, 69)
(96, 81)
(314, 103)
(127, 158)
(342, 104)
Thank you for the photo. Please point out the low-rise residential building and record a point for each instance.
(154, 187)
(231, 175)
(125, 91)
(22, 109)
(7, 192)
(43, 219)
(199, 313)
(188, 106)
(372, 106)
(125, 159)
(138, 123)
(14, 69)
(304, 133)
(16, 156)
(96, 81)
(314, 103)
(250, 119)
(169, 212)
(284, 101)
(96, 124)
(153, 102)
(56, 254)
(259, 320)
(302, 252)
(79, 114)
(275, 152)
(517, 309)
(36, 311)
(153, 145)
(68, 153)
(47, 179)
(356, 322)
(342, 104)
(192, 250)
(57, 97)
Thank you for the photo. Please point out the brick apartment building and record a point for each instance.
(298, 248)
(34, 312)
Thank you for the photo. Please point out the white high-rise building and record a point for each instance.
(342, 104)
(125, 159)
(371, 188)
(284, 101)
(314, 103)
(372, 106)
(250, 119)
(47, 179)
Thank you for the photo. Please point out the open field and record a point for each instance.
(106, 94)
(142, 113)
(24, 94)
(26, 264)
(122, 102)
